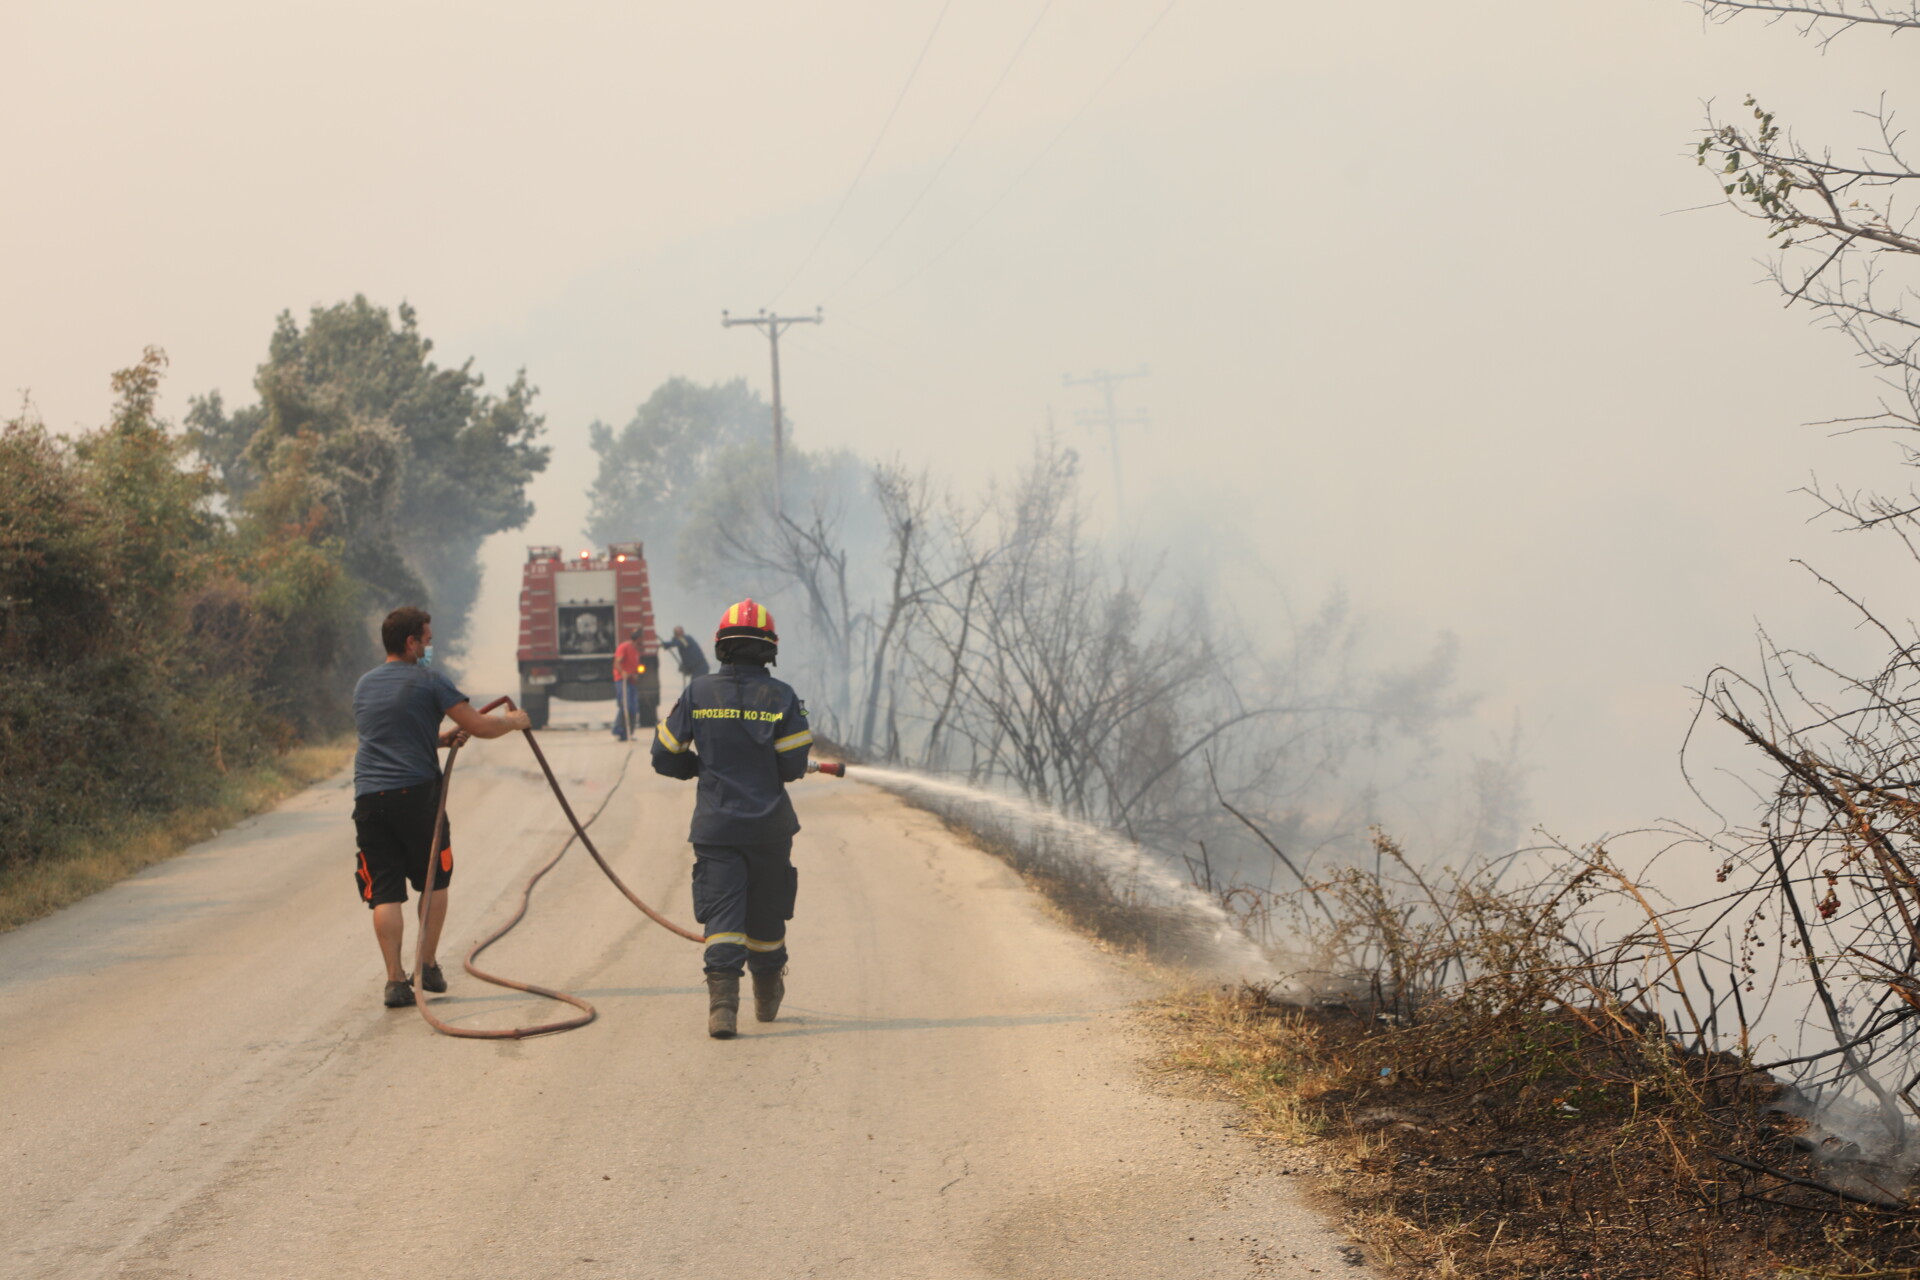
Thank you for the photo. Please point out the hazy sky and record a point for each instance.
(1423, 313)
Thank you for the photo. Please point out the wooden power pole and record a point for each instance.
(775, 325)
(1110, 417)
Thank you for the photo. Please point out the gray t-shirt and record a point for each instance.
(397, 708)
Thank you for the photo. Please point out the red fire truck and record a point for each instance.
(573, 611)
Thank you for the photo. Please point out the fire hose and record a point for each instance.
(587, 1012)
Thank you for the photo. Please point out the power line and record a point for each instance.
(952, 151)
(871, 151)
(1006, 191)
(887, 376)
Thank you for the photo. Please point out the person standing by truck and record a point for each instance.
(744, 735)
(397, 708)
(626, 685)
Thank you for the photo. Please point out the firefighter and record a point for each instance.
(744, 735)
(686, 651)
(626, 687)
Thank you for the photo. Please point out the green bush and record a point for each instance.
(148, 644)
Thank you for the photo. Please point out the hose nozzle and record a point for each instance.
(832, 768)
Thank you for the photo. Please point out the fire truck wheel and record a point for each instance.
(535, 705)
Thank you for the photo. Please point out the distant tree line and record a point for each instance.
(178, 604)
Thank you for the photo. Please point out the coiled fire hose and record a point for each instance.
(587, 1012)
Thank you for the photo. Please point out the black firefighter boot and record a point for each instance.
(768, 988)
(723, 1004)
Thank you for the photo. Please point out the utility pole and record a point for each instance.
(775, 325)
(1110, 417)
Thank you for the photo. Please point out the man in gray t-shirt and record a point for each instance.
(397, 708)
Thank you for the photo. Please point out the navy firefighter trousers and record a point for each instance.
(744, 896)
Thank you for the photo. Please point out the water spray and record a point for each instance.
(1206, 924)
(1217, 943)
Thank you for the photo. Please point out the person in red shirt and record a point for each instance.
(626, 688)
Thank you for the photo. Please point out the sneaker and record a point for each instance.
(431, 979)
(399, 994)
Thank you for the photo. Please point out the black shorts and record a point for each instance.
(393, 829)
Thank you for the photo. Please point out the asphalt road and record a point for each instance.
(198, 1078)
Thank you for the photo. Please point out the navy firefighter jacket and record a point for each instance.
(744, 735)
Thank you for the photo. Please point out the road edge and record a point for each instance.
(37, 889)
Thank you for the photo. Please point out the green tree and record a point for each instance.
(106, 704)
(652, 468)
(359, 437)
(147, 642)
(165, 527)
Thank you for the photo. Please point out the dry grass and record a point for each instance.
(1545, 1152)
(42, 887)
(1544, 1078)
(1272, 1058)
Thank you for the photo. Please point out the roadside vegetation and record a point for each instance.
(182, 612)
(114, 849)
(1544, 1075)
(1554, 1149)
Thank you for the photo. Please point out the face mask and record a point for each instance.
(426, 656)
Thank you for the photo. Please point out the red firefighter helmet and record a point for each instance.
(746, 621)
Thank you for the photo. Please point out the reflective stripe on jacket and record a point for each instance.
(744, 735)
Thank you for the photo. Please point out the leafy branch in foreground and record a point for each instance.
(1824, 19)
